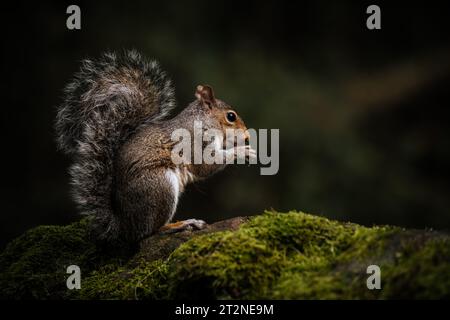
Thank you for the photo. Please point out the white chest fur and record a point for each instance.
(178, 179)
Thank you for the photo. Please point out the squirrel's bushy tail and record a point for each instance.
(105, 103)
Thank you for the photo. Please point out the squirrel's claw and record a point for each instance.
(189, 224)
(245, 152)
(251, 153)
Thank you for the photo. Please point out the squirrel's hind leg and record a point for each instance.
(189, 224)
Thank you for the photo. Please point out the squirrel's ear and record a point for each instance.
(205, 94)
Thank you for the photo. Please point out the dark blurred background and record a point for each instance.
(363, 115)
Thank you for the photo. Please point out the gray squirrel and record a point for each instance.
(114, 123)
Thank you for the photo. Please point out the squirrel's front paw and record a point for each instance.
(195, 224)
(245, 152)
(189, 224)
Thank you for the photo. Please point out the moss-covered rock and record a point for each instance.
(272, 256)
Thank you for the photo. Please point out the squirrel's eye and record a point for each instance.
(231, 116)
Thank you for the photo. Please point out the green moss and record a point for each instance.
(420, 271)
(34, 265)
(146, 280)
(285, 256)
(273, 256)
